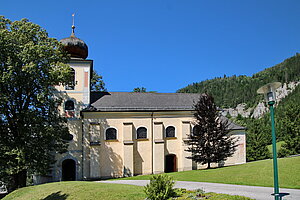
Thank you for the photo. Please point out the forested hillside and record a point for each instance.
(287, 121)
(230, 91)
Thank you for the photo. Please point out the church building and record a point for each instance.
(116, 134)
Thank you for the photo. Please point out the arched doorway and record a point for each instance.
(68, 170)
(170, 163)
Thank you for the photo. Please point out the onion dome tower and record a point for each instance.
(75, 46)
(78, 90)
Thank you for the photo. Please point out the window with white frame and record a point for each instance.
(196, 130)
(141, 133)
(69, 109)
(94, 129)
(69, 105)
(170, 131)
(111, 134)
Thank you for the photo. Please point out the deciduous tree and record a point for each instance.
(140, 89)
(97, 83)
(31, 128)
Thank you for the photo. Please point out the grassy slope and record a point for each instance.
(91, 191)
(258, 173)
(77, 190)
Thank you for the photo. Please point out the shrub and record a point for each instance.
(160, 188)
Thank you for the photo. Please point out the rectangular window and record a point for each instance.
(94, 130)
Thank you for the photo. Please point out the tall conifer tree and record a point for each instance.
(210, 141)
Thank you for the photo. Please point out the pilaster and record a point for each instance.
(159, 154)
(128, 148)
(186, 130)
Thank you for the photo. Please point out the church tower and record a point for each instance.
(77, 95)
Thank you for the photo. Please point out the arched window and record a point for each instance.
(111, 134)
(196, 130)
(69, 105)
(68, 137)
(71, 86)
(141, 133)
(170, 131)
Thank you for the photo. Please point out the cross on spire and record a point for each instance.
(73, 25)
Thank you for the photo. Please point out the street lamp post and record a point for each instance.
(269, 91)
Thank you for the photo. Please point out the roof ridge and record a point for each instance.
(159, 93)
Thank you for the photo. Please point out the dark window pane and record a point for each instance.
(69, 105)
(141, 133)
(170, 131)
(68, 137)
(71, 86)
(196, 130)
(111, 134)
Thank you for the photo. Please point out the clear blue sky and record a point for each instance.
(164, 45)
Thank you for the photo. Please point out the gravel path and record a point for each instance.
(258, 193)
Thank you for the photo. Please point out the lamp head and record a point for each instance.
(269, 91)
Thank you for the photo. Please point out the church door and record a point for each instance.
(68, 170)
(170, 163)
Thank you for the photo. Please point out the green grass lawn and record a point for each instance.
(77, 190)
(82, 190)
(258, 173)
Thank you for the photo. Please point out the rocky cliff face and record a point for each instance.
(261, 107)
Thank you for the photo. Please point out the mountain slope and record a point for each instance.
(228, 92)
(231, 91)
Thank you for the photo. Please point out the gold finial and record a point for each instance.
(73, 25)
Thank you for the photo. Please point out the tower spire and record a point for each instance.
(73, 25)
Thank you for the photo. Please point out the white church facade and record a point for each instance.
(116, 134)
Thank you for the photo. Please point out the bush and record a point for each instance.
(160, 188)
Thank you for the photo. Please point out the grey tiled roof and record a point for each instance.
(132, 101)
(230, 124)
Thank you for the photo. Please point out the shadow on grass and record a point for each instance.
(56, 196)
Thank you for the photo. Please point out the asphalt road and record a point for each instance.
(258, 193)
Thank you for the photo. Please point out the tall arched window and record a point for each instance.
(111, 134)
(141, 133)
(170, 131)
(69, 105)
(71, 86)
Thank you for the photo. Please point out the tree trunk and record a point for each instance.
(208, 165)
(19, 179)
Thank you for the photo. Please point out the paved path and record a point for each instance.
(258, 193)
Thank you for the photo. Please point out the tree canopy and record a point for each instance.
(291, 121)
(258, 137)
(31, 128)
(287, 120)
(97, 83)
(209, 141)
(140, 89)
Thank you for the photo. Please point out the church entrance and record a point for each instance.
(170, 163)
(68, 170)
